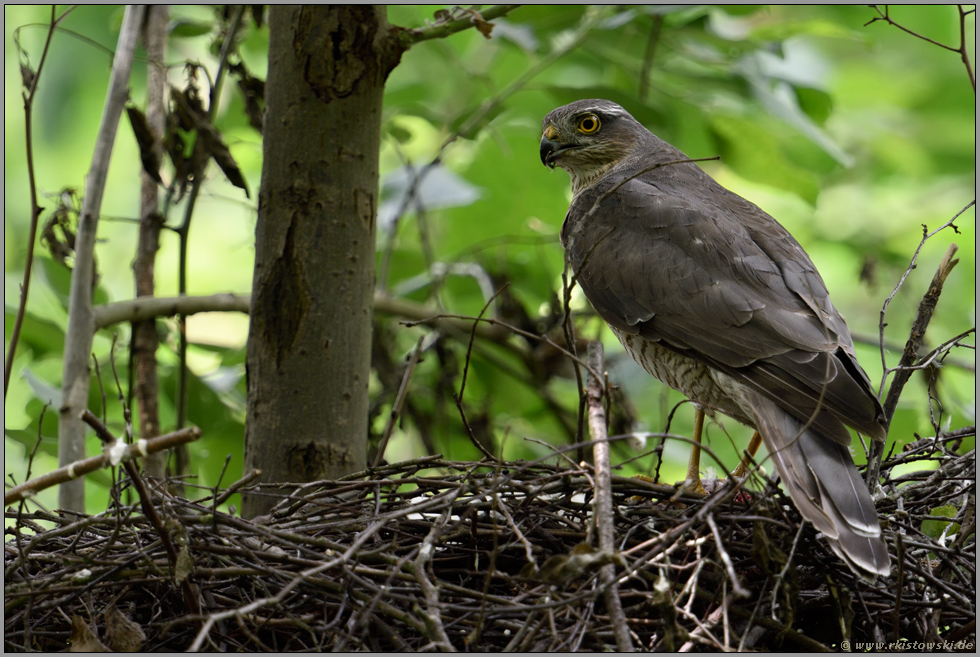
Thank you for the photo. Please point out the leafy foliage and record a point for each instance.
(851, 135)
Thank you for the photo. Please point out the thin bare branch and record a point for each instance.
(399, 400)
(78, 338)
(31, 79)
(451, 25)
(603, 505)
(962, 49)
(81, 468)
(911, 354)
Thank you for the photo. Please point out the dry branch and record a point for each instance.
(904, 369)
(450, 25)
(420, 555)
(83, 467)
(603, 496)
(78, 338)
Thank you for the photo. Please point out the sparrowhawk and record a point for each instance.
(712, 296)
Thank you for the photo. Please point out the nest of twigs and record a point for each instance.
(438, 555)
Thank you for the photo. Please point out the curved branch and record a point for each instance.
(440, 30)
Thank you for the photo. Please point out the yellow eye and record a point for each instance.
(588, 124)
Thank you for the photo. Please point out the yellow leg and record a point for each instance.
(745, 463)
(693, 481)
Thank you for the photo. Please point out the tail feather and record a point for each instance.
(820, 477)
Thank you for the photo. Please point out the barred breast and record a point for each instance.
(710, 389)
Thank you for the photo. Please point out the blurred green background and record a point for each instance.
(853, 136)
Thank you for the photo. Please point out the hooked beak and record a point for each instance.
(551, 147)
(550, 151)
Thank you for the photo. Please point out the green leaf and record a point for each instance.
(775, 96)
(411, 189)
(754, 153)
(934, 527)
(816, 103)
(28, 438)
(40, 335)
(43, 390)
(184, 28)
(782, 30)
(58, 278)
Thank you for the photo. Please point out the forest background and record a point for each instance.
(853, 135)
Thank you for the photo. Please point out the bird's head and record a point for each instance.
(587, 138)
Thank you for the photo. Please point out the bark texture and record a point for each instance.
(309, 345)
(145, 339)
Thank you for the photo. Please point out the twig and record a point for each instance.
(603, 506)
(964, 45)
(83, 467)
(408, 38)
(432, 615)
(255, 605)
(183, 230)
(962, 50)
(36, 210)
(80, 333)
(904, 371)
(568, 329)
(190, 592)
(908, 270)
(653, 40)
(737, 589)
(462, 385)
(234, 488)
(399, 400)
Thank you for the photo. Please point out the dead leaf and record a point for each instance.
(561, 569)
(253, 92)
(83, 638)
(27, 76)
(192, 116)
(185, 565)
(146, 140)
(122, 634)
(483, 26)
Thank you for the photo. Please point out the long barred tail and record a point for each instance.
(822, 480)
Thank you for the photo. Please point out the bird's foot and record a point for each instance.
(693, 485)
(704, 486)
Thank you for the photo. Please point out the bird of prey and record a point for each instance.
(712, 296)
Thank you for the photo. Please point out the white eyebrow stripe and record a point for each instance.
(606, 109)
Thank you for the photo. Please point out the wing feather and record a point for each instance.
(710, 275)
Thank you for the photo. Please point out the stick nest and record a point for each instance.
(432, 554)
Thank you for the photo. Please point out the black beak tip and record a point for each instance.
(545, 152)
(548, 151)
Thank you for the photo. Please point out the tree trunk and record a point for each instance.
(309, 343)
(145, 340)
